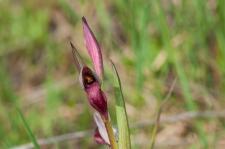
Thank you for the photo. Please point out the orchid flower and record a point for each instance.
(90, 81)
(88, 78)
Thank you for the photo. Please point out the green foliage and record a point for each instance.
(152, 41)
(121, 114)
(29, 132)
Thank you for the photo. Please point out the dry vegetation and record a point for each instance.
(151, 42)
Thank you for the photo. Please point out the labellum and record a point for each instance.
(89, 81)
(93, 90)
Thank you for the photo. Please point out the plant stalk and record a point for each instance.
(109, 130)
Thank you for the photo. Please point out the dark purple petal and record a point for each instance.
(97, 99)
(93, 48)
(93, 90)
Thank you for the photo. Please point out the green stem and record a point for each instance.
(109, 130)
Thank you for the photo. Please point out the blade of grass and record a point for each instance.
(29, 132)
(121, 114)
(183, 79)
(160, 108)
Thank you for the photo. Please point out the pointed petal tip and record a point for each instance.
(73, 48)
(84, 20)
(77, 58)
(86, 25)
(71, 44)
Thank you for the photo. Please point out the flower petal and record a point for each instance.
(98, 138)
(102, 130)
(101, 127)
(91, 85)
(93, 48)
(77, 58)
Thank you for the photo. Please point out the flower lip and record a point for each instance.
(88, 76)
(91, 85)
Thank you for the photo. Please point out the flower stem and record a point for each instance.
(109, 129)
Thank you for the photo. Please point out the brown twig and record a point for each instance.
(185, 116)
(56, 139)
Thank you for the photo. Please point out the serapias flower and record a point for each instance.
(90, 80)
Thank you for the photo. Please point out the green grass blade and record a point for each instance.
(121, 114)
(29, 132)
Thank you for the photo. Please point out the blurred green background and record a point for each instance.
(151, 42)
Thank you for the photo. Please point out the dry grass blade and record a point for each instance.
(157, 122)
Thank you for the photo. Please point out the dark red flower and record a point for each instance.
(88, 79)
(93, 90)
